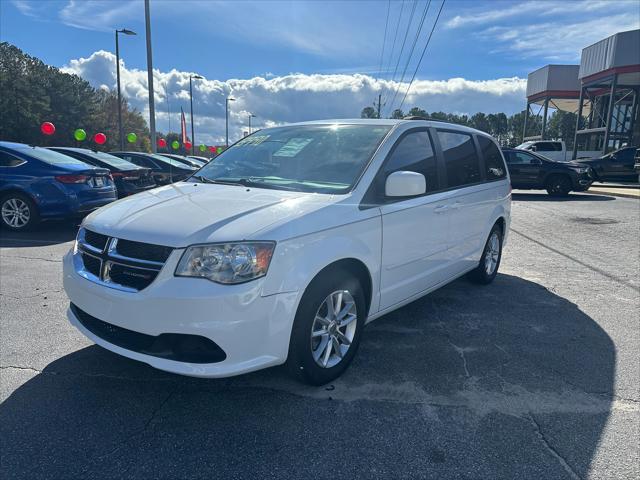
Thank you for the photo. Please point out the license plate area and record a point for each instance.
(98, 182)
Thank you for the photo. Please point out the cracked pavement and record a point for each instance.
(535, 376)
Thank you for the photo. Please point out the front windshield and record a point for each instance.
(306, 158)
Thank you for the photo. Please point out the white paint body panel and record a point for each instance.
(409, 248)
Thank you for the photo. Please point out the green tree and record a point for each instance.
(397, 114)
(480, 122)
(368, 112)
(32, 92)
(417, 112)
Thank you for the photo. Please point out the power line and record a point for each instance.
(406, 65)
(395, 36)
(422, 55)
(404, 41)
(384, 41)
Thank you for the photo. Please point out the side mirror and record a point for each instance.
(533, 148)
(405, 184)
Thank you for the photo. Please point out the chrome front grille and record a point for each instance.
(116, 263)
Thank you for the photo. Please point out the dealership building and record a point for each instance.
(604, 92)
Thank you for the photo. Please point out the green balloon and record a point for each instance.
(219, 150)
(175, 145)
(79, 134)
(203, 148)
(132, 137)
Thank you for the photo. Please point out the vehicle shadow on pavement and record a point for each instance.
(505, 381)
(572, 197)
(48, 233)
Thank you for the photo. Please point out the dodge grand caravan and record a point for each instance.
(283, 248)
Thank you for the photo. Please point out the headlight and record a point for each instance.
(226, 262)
(581, 169)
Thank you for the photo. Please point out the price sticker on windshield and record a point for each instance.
(293, 147)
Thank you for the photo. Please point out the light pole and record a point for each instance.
(251, 115)
(229, 99)
(193, 135)
(120, 130)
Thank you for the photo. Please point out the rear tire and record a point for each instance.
(559, 185)
(487, 269)
(18, 212)
(318, 329)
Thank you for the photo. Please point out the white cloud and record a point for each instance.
(557, 40)
(290, 98)
(100, 15)
(550, 30)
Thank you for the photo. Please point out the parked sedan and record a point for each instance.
(164, 170)
(203, 160)
(184, 160)
(531, 171)
(616, 166)
(128, 177)
(38, 184)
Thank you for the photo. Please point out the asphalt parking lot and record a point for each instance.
(535, 376)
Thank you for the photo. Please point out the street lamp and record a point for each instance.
(229, 99)
(251, 115)
(120, 130)
(193, 136)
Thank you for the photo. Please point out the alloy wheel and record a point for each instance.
(334, 328)
(492, 253)
(16, 213)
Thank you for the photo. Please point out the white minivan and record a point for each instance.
(287, 244)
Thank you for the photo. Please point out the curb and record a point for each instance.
(614, 194)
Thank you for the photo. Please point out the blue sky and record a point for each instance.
(335, 46)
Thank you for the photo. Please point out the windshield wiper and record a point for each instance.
(203, 179)
(252, 182)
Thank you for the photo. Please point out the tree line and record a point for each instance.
(33, 92)
(508, 130)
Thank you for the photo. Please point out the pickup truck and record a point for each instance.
(555, 150)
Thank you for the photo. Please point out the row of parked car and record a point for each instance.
(61, 182)
(532, 167)
(58, 182)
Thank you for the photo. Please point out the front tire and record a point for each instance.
(18, 212)
(327, 328)
(559, 185)
(487, 269)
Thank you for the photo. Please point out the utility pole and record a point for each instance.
(152, 109)
(379, 104)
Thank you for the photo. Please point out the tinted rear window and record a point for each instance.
(494, 165)
(461, 158)
(50, 157)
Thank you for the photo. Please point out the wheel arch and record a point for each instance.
(357, 268)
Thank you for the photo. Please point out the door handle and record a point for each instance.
(441, 208)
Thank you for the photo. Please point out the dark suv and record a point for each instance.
(616, 166)
(531, 171)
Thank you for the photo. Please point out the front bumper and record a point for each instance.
(253, 330)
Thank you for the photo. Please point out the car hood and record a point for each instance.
(186, 213)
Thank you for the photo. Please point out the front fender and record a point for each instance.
(297, 261)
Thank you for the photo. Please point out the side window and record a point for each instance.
(460, 157)
(521, 158)
(548, 146)
(136, 160)
(8, 160)
(492, 159)
(414, 153)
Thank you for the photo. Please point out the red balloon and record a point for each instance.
(100, 138)
(187, 145)
(162, 143)
(212, 148)
(48, 128)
